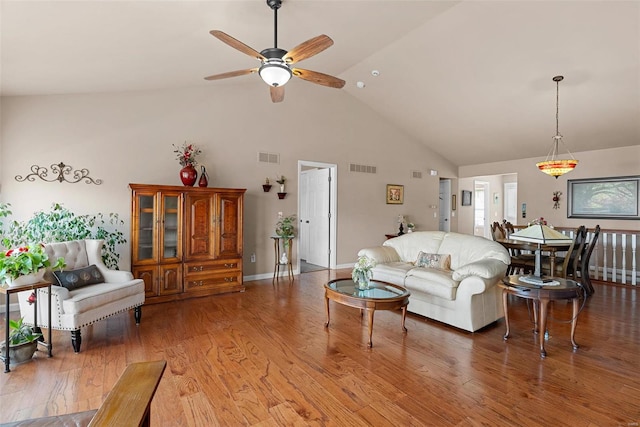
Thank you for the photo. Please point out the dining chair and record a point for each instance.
(518, 261)
(566, 266)
(582, 266)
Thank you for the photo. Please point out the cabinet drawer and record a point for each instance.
(198, 268)
(222, 281)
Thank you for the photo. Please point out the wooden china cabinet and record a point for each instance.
(186, 241)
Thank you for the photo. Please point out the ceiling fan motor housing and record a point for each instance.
(274, 71)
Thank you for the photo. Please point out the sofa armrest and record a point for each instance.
(487, 269)
(380, 254)
(114, 276)
(94, 255)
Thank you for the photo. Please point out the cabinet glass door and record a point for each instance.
(146, 232)
(171, 233)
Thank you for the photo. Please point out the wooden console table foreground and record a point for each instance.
(14, 290)
(381, 296)
(541, 295)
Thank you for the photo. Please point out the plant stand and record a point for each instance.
(278, 256)
(33, 287)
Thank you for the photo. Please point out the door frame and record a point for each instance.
(333, 208)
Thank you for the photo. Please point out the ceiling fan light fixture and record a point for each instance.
(275, 72)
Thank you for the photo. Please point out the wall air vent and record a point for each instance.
(416, 174)
(264, 157)
(362, 168)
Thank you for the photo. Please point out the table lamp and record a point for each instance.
(542, 235)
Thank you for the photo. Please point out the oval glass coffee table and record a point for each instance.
(380, 296)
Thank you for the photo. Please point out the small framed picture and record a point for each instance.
(466, 198)
(395, 194)
(453, 202)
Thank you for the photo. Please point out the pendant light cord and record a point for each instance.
(557, 105)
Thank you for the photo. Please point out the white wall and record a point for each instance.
(127, 137)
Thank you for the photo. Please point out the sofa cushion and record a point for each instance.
(73, 279)
(465, 249)
(408, 245)
(444, 278)
(87, 298)
(381, 254)
(432, 281)
(438, 261)
(393, 272)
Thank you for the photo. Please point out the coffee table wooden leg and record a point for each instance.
(505, 298)
(404, 316)
(370, 325)
(544, 305)
(574, 322)
(536, 312)
(326, 304)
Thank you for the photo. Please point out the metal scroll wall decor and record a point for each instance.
(63, 171)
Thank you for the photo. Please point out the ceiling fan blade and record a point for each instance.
(277, 93)
(237, 44)
(308, 49)
(318, 78)
(231, 74)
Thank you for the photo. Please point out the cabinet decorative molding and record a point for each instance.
(186, 241)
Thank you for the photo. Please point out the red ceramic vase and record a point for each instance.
(188, 175)
(204, 179)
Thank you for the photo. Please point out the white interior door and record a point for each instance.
(445, 205)
(318, 214)
(511, 202)
(303, 224)
(481, 209)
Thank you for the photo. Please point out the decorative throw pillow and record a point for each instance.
(438, 261)
(74, 279)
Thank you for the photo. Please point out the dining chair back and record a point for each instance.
(582, 266)
(571, 259)
(497, 232)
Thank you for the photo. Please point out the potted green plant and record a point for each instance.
(266, 187)
(362, 272)
(60, 225)
(25, 265)
(23, 342)
(285, 230)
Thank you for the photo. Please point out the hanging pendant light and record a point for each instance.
(552, 165)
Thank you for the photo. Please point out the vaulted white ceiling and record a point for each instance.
(470, 79)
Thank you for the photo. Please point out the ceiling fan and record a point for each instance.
(276, 69)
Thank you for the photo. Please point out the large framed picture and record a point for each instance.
(395, 194)
(466, 198)
(614, 198)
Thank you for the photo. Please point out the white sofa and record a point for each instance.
(77, 308)
(466, 296)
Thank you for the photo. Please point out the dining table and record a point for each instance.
(551, 248)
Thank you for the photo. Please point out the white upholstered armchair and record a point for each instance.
(89, 293)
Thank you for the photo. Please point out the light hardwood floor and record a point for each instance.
(264, 358)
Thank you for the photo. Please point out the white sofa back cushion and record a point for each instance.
(74, 253)
(410, 244)
(466, 249)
